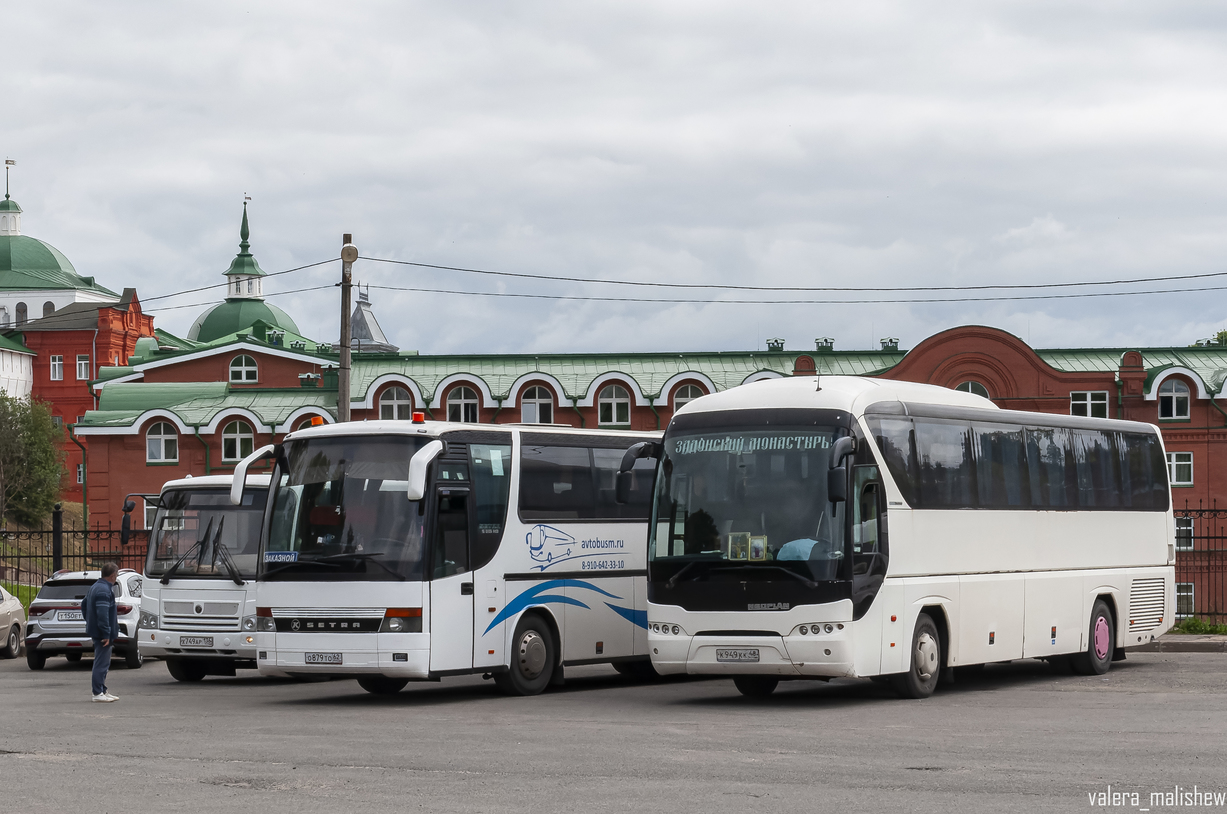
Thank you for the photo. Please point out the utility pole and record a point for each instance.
(349, 253)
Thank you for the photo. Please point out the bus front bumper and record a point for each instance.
(397, 655)
(817, 655)
(205, 644)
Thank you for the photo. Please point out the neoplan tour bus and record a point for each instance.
(397, 551)
(837, 526)
(198, 604)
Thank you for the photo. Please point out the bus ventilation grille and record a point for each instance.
(1145, 605)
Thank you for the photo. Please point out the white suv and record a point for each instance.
(56, 625)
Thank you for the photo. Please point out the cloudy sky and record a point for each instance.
(868, 144)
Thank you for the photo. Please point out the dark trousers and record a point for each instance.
(102, 664)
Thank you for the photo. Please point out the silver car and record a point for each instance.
(57, 625)
(12, 622)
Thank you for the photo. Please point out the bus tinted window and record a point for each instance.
(555, 482)
(946, 463)
(490, 466)
(947, 468)
(606, 463)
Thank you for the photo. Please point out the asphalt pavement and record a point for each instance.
(1018, 738)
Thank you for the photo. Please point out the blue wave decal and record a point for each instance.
(636, 617)
(537, 596)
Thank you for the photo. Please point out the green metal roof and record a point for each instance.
(1208, 362)
(10, 343)
(244, 262)
(237, 316)
(9, 205)
(121, 404)
(29, 263)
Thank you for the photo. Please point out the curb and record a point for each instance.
(1178, 643)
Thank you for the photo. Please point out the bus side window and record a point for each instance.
(452, 535)
(866, 525)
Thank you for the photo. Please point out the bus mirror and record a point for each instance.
(418, 466)
(125, 527)
(837, 484)
(240, 472)
(644, 449)
(622, 490)
(842, 448)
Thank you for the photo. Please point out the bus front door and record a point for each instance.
(451, 587)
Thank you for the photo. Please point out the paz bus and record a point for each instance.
(395, 551)
(838, 526)
(198, 604)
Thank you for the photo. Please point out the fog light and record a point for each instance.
(828, 652)
(676, 630)
(829, 629)
(804, 630)
(250, 639)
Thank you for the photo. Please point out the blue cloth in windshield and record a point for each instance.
(796, 549)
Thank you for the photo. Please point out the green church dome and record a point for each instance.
(29, 263)
(235, 315)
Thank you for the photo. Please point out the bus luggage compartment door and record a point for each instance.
(451, 588)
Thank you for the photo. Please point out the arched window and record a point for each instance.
(396, 404)
(48, 308)
(162, 444)
(462, 405)
(243, 369)
(1173, 399)
(238, 441)
(613, 405)
(686, 394)
(4, 317)
(974, 388)
(537, 406)
(22, 314)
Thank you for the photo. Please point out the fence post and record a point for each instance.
(57, 537)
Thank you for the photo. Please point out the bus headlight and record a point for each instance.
(402, 620)
(267, 624)
(249, 623)
(149, 621)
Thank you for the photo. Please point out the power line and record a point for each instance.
(222, 285)
(215, 302)
(654, 284)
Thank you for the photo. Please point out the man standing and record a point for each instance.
(102, 625)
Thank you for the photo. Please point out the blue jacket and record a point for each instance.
(101, 615)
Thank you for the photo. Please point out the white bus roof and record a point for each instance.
(214, 482)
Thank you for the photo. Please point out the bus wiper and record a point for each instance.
(365, 558)
(809, 583)
(673, 580)
(221, 551)
(170, 572)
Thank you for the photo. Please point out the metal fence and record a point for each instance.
(28, 557)
(1201, 563)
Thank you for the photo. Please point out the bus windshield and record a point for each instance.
(342, 512)
(199, 523)
(746, 503)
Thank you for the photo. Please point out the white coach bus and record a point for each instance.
(199, 599)
(397, 551)
(835, 526)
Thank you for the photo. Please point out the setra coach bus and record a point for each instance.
(838, 526)
(395, 551)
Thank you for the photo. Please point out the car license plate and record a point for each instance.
(195, 641)
(323, 658)
(69, 616)
(737, 654)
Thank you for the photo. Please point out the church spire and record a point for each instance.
(245, 275)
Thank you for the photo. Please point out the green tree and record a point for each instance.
(31, 461)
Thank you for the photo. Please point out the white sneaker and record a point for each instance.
(109, 695)
(104, 698)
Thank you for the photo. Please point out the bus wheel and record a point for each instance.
(382, 685)
(533, 657)
(756, 686)
(187, 670)
(640, 670)
(921, 678)
(1100, 644)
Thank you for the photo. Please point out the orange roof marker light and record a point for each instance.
(317, 421)
(419, 418)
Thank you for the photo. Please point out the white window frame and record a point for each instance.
(1088, 400)
(1184, 542)
(1176, 461)
(151, 511)
(537, 406)
(244, 370)
(58, 421)
(1191, 593)
(1173, 393)
(974, 387)
(462, 405)
(166, 441)
(611, 402)
(686, 394)
(80, 473)
(396, 404)
(234, 434)
(57, 368)
(83, 367)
